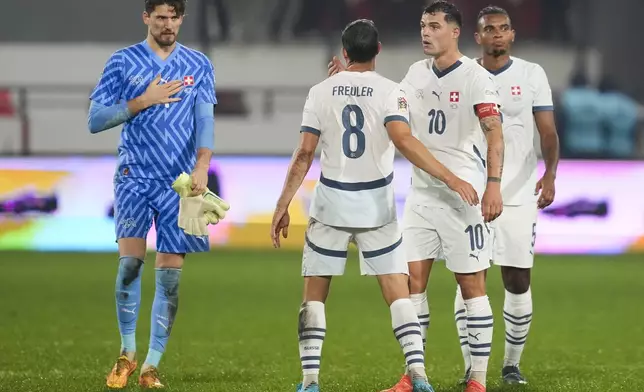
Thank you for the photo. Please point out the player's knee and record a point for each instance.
(418, 277)
(394, 287)
(516, 280)
(129, 269)
(169, 260)
(472, 285)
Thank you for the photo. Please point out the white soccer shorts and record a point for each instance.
(325, 250)
(458, 235)
(513, 236)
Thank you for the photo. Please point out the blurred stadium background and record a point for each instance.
(57, 249)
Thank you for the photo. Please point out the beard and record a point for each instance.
(497, 52)
(164, 40)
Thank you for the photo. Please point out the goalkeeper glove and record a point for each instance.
(183, 186)
(192, 214)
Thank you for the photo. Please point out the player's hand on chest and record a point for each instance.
(136, 85)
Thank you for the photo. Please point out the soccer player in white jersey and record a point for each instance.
(360, 118)
(526, 98)
(454, 111)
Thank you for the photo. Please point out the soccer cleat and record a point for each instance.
(474, 386)
(150, 379)
(512, 375)
(123, 368)
(313, 387)
(404, 385)
(466, 377)
(421, 386)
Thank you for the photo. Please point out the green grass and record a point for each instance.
(236, 327)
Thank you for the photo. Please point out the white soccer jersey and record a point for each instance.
(444, 119)
(523, 89)
(349, 111)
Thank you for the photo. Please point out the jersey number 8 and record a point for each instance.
(350, 129)
(437, 121)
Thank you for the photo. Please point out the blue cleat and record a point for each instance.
(422, 386)
(313, 387)
(512, 375)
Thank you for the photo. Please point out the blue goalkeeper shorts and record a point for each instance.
(139, 202)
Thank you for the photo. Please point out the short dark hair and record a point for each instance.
(492, 10)
(452, 13)
(178, 5)
(360, 40)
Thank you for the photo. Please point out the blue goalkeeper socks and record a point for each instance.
(164, 310)
(128, 300)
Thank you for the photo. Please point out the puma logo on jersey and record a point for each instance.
(437, 94)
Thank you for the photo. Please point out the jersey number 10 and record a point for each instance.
(437, 122)
(350, 129)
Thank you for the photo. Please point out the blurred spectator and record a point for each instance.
(204, 22)
(555, 24)
(619, 119)
(278, 18)
(583, 135)
(322, 16)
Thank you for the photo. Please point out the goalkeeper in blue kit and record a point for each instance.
(164, 92)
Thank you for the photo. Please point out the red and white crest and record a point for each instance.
(188, 80)
(516, 90)
(454, 96)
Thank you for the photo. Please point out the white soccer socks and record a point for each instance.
(479, 332)
(460, 317)
(311, 331)
(517, 313)
(407, 330)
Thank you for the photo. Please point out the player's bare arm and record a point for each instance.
(545, 121)
(490, 121)
(416, 153)
(297, 170)
(200, 172)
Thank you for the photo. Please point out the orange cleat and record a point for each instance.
(149, 379)
(123, 368)
(474, 386)
(404, 385)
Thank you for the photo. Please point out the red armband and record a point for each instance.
(484, 110)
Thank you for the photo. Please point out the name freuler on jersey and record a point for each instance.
(353, 91)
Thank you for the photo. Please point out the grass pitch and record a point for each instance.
(237, 321)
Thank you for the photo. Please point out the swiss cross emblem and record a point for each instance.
(516, 90)
(454, 96)
(188, 80)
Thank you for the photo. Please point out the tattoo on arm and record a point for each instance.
(489, 124)
(493, 130)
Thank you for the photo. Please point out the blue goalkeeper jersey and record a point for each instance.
(160, 142)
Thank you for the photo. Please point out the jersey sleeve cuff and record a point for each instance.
(312, 130)
(546, 108)
(396, 117)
